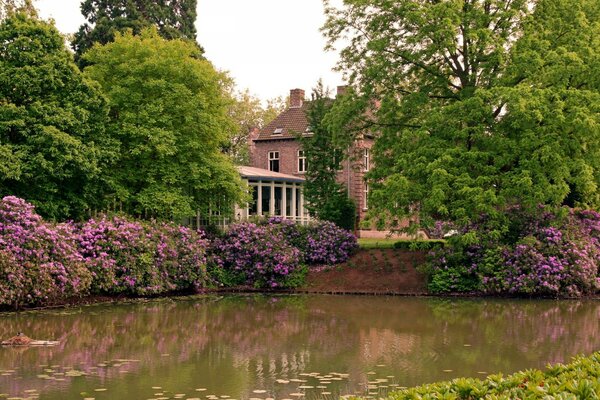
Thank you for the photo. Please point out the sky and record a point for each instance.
(267, 46)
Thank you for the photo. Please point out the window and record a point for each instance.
(366, 160)
(301, 161)
(278, 131)
(366, 199)
(274, 161)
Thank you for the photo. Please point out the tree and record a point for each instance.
(52, 142)
(480, 103)
(248, 114)
(174, 19)
(327, 199)
(9, 7)
(168, 110)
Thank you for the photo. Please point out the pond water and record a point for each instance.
(295, 347)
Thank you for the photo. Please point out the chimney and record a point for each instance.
(341, 90)
(296, 98)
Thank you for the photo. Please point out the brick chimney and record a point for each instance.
(296, 98)
(341, 90)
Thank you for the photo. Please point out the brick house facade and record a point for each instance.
(276, 148)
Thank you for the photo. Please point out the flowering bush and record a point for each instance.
(258, 254)
(537, 254)
(39, 262)
(142, 258)
(328, 244)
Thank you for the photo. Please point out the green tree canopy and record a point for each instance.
(327, 198)
(168, 110)
(52, 142)
(479, 103)
(174, 19)
(248, 114)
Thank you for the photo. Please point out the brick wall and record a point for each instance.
(288, 155)
(351, 176)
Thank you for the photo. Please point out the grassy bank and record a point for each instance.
(579, 379)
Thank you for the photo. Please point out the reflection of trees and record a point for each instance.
(254, 340)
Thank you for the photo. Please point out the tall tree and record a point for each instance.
(174, 19)
(52, 142)
(248, 114)
(327, 199)
(168, 110)
(481, 103)
(9, 7)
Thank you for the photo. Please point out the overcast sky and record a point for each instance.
(268, 46)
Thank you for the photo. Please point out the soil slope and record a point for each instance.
(372, 271)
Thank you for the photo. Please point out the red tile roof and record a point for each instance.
(292, 122)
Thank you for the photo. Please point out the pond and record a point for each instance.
(295, 347)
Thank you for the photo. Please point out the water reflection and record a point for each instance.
(240, 346)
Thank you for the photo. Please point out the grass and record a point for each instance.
(369, 243)
(422, 244)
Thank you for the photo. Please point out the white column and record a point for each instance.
(284, 200)
(294, 202)
(272, 205)
(259, 201)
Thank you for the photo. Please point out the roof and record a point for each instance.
(291, 122)
(266, 175)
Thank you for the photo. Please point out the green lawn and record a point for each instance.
(421, 244)
(369, 243)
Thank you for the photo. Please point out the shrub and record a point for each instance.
(39, 261)
(540, 253)
(142, 258)
(327, 244)
(420, 244)
(258, 255)
(576, 380)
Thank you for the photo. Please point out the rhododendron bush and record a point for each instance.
(42, 262)
(142, 258)
(539, 253)
(39, 262)
(271, 253)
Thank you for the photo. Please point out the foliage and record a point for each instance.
(275, 252)
(39, 262)
(168, 112)
(142, 258)
(478, 104)
(327, 244)
(53, 145)
(541, 254)
(327, 199)
(258, 255)
(248, 115)
(419, 244)
(10, 7)
(174, 19)
(579, 379)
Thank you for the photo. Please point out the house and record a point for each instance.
(276, 148)
(273, 193)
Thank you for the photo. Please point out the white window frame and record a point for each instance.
(301, 162)
(272, 156)
(366, 159)
(366, 198)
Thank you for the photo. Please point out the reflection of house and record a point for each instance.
(274, 194)
(277, 149)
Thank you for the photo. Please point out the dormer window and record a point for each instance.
(278, 131)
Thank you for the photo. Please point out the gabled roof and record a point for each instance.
(266, 175)
(291, 122)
